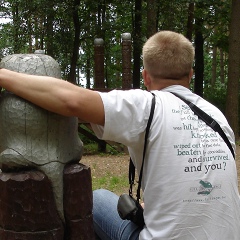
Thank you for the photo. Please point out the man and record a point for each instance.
(189, 176)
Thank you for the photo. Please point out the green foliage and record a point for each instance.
(108, 20)
(173, 15)
(91, 148)
(49, 25)
(216, 95)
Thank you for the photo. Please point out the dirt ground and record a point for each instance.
(118, 165)
(103, 166)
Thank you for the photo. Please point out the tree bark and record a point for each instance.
(232, 103)
(222, 66)
(214, 66)
(75, 51)
(137, 44)
(88, 77)
(16, 20)
(199, 64)
(199, 55)
(49, 29)
(190, 21)
(151, 17)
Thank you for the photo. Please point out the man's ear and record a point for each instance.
(190, 75)
(146, 78)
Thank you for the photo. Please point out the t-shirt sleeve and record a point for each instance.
(126, 115)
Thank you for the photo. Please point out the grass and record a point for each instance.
(109, 170)
(110, 182)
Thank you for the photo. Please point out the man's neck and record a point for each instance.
(163, 83)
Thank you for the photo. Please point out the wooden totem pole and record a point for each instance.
(126, 61)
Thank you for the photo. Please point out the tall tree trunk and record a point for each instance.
(222, 66)
(88, 83)
(190, 21)
(214, 66)
(151, 17)
(199, 64)
(137, 43)
(16, 27)
(38, 35)
(232, 103)
(199, 55)
(104, 38)
(101, 18)
(30, 33)
(75, 51)
(49, 29)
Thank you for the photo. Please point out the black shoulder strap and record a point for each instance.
(208, 120)
(131, 165)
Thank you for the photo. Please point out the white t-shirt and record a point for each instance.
(189, 177)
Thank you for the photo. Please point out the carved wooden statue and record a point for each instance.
(35, 148)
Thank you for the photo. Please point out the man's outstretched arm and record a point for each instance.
(55, 95)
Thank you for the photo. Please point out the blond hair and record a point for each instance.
(168, 55)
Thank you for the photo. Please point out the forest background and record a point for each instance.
(66, 30)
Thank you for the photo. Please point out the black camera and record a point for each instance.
(130, 209)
